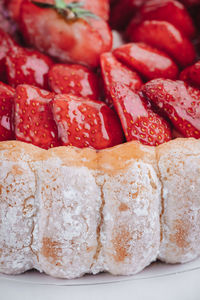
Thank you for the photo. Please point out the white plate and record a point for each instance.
(157, 282)
(153, 271)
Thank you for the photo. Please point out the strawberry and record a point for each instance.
(139, 122)
(6, 43)
(6, 103)
(66, 32)
(86, 123)
(191, 74)
(98, 7)
(179, 101)
(166, 37)
(25, 66)
(122, 11)
(74, 79)
(113, 72)
(33, 117)
(166, 10)
(149, 62)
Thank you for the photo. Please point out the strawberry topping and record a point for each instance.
(113, 72)
(179, 101)
(74, 79)
(86, 123)
(6, 103)
(139, 122)
(24, 66)
(33, 117)
(149, 62)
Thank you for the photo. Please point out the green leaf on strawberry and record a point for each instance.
(70, 11)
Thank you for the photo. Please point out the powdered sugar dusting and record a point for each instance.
(180, 175)
(130, 233)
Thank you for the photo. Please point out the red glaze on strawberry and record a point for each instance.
(192, 74)
(6, 43)
(166, 37)
(166, 10)
(139, 122)
(33, 117)
(25, 66)
(113, 72)
(74, 79)
(179, 101)
(6, 103)
(75, 40)
(86, 123)
(149, 62)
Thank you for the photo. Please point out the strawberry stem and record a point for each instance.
(70, 11)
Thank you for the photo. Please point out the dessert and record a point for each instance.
(92, 176)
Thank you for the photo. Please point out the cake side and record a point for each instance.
(68, 212)
(178, 163)
(130, 231)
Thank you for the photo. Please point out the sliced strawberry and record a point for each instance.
(6, 44)
(74, 79)
(33, 117)
(113, 72)
(192, 74)
(149, 62)
(24, 66)
(86, 123)
(179, 101)
(139, 122)
(6, 103)
(72, 40)
(166, 10)
(166, 37)
(123, 11)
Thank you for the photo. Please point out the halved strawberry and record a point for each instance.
(166, 37)
(33, 117)
(191, 74)
(74, 79)
(6, 103)
(6, 43)
(179, 101)
(149, 62)
(139, 122)
(113, 72)
(171, 11)
(86, 123)
(25, 66)
(64, 33)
